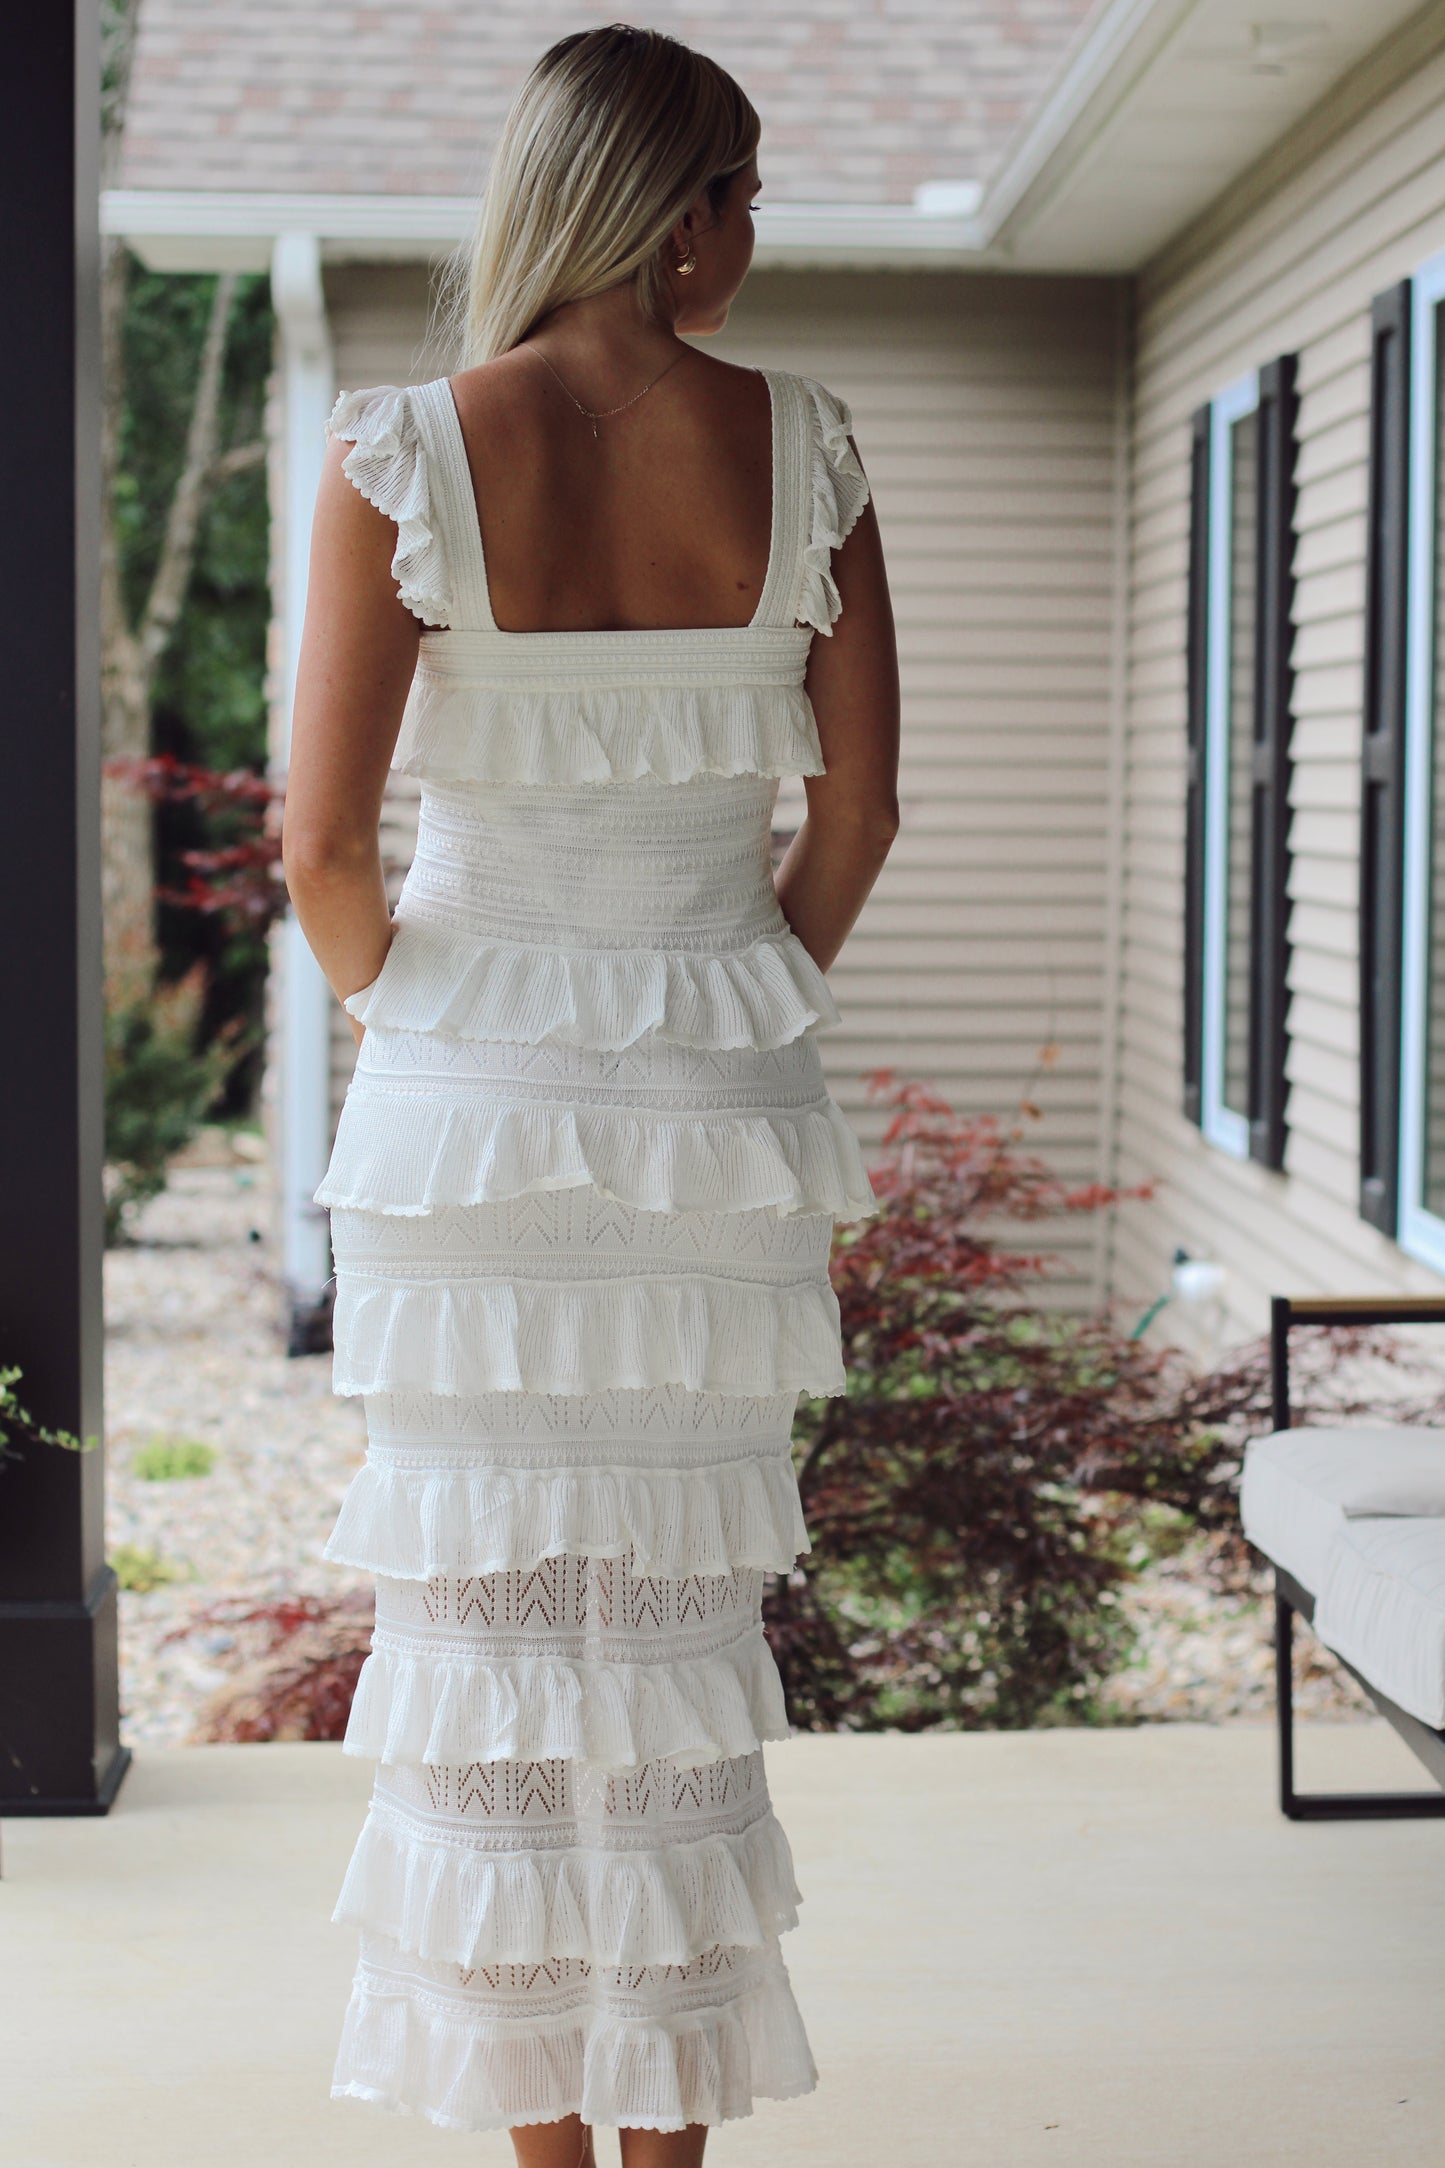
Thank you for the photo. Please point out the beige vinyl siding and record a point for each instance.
(985, 410)
(378, 317)
(1291, 263)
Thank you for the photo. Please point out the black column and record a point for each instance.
(59, 1746)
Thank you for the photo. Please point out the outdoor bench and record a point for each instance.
(1353, 1523)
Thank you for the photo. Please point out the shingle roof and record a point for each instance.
(860, 99)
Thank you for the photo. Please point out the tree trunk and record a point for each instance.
(130, 657)
(127, 819)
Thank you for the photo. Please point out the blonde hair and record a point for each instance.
(613, 135)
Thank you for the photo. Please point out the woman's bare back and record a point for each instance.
(662, 519)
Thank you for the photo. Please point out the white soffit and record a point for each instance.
(187, 229)
(191, 230)
(1162, 106)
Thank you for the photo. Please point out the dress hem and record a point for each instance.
(370, 2097)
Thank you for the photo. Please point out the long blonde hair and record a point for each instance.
(613, 135)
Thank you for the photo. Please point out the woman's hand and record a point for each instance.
(358, 655)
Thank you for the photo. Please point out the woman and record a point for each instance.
(584, 1183)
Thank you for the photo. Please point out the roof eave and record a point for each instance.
(1100, 74)
(1161, 110)
(213, 230)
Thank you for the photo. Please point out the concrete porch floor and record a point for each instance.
(1058, 1947)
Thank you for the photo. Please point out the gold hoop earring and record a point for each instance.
(688, 263)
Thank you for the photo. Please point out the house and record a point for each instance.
(1135, 307)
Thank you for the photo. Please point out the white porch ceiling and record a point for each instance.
(1161, 108)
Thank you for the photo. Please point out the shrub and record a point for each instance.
(169, 1460)
(142, 1570)
(298, 1683)
(237, 875)
(16, 1421)
(157, 1089)
(958, 1575)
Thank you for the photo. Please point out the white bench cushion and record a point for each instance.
(1302, 1486)
(1381, 1605)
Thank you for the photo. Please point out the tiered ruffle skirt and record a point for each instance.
(580, 1290)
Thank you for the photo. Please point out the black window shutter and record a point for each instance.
(1197, 642)
(1274, 687)
(1382, 828)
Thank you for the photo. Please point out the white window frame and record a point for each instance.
(1224, 1126)
(1420, 1232)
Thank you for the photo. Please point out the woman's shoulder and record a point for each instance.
(745, 374)
(826, 415)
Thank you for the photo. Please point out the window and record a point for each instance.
(1237, 835)
(1421, 1214)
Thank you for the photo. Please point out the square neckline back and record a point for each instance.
(614, 704)
(471, 527)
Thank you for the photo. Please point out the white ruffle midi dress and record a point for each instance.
(582, 1198)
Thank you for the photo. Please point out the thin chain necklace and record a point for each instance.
(602, 414)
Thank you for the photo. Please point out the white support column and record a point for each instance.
(304, 1109)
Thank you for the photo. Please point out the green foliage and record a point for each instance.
(141, 1570)
(212, 676)
(157, 1091)
(1155, 1534)
(961, 1574)
(169, 1460)
(16, 1421)
(210, 694)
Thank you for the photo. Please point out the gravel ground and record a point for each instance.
(1205, 1657)
(194, 1351)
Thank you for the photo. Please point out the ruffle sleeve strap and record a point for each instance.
(388, 464)
(839, 490)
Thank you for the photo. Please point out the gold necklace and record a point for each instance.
(602, 414)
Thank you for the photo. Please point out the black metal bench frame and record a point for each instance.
(1290, 1595)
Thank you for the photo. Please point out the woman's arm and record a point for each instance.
(358, 653)
(837, 854)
